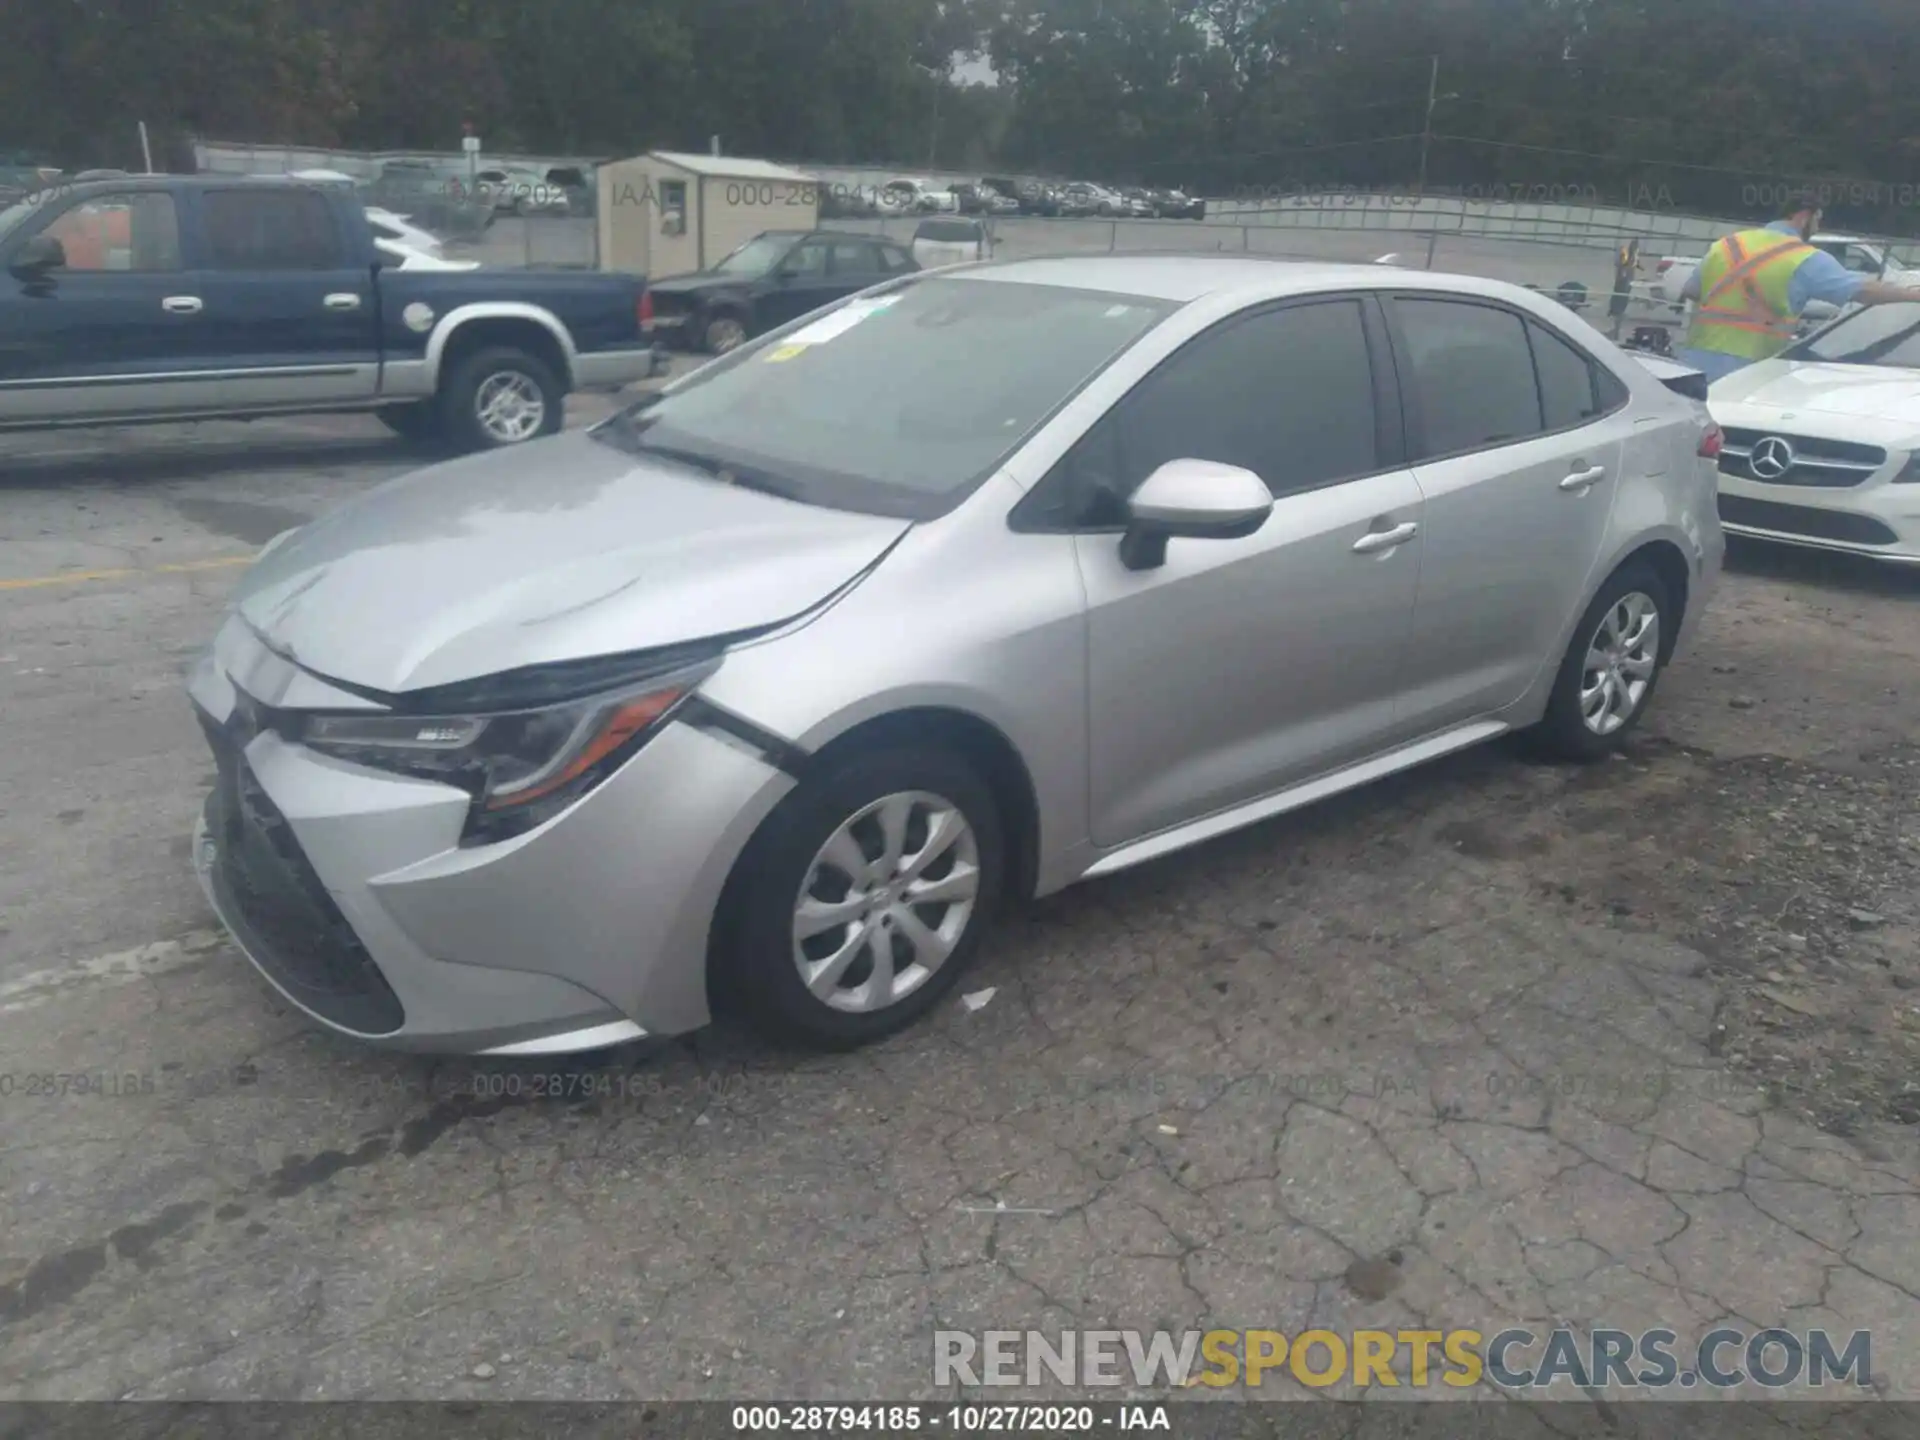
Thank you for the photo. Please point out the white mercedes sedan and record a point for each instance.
(1822, 443)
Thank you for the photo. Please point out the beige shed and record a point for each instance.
(667, 213)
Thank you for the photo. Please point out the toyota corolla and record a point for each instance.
(769, 691)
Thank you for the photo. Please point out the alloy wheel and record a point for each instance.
(1621, 659)
(509, 407)
(886, 901)
(725, 334)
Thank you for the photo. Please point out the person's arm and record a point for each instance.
(1885, 292)
(1691, 290)
(1821, 277)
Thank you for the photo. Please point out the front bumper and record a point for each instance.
(349, 891)
(1876, 519)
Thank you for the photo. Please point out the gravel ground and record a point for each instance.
(1489, 1043)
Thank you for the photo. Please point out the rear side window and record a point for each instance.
(1568, 392)
(1472, 374)
(895, 261)
(1287, 394)
(963, 232)
(271, 229)
(854, 257)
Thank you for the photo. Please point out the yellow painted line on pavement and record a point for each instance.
(81, 577)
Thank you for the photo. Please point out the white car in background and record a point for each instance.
(1821, 445)
(405, 257)
(398, 228)
(917, 197)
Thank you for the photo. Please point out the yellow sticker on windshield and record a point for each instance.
(785, 352)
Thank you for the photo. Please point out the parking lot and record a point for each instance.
(1490, 1043)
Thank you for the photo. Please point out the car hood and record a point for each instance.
(1866, 392)
(565, 549)
(699, 283)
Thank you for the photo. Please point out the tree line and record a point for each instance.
(1707, 106)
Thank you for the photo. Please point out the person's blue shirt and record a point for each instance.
(1820, 277)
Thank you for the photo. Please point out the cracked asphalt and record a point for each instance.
(1489, 1044)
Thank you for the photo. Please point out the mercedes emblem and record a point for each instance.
(1771, 458)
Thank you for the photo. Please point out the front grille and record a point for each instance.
(276, 903)
(1816, 461)
(1801, 520)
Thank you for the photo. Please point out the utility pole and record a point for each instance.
(1426, 131)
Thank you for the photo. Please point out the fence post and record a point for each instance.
(1113, 236)
(1433, 239)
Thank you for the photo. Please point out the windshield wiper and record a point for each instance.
(747, 477)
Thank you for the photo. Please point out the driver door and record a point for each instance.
(798, 284)
(1241, 667)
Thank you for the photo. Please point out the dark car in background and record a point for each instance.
(1034, 197)
(985, 198)
(1080, 199)
(1176, 205)
(777, 276)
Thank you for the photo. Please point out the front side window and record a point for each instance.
(271, 229)
(135, 233)
(1472, 372)
(895, 404)
(1287, 394)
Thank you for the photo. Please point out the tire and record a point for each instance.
(541, 407)
(417, 423)
(759, 955)
(723, 332)
(1565, 732)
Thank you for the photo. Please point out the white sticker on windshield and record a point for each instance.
(1114, 312)
(831, 327)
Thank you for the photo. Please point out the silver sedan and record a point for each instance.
(770, 691)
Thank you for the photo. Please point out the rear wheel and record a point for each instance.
(499, 397)
(1611, 667)
(863, 898)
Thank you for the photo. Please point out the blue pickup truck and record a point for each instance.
(152, 298)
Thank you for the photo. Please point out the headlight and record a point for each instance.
(521, 767)
(1910, 472)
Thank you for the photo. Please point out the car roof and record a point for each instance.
(1185, 278)
(121, 184)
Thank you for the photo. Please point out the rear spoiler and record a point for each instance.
(1681, 379)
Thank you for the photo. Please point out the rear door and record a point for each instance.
(1517, 441)
(110, 333)
(1239, 667)
(290, 314)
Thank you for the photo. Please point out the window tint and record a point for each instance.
(1287, 395)
(1566, 380)
(807, 258)
(133, 233)
(854, 257)
(271, 230)
(1472, 374)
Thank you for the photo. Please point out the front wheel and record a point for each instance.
(1608, 675)
(500, 397)
(863, 898)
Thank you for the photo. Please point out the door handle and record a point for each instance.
(342, 302)
(1377, 540)
(181, 304)
(1581, 481)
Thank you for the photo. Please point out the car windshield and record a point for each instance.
(758, 256)
(1886, 335)
(895, 404)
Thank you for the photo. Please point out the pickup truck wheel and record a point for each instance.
(500, 397)
(417, 422)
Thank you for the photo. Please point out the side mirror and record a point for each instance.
(37, 256)
(1192, 500)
